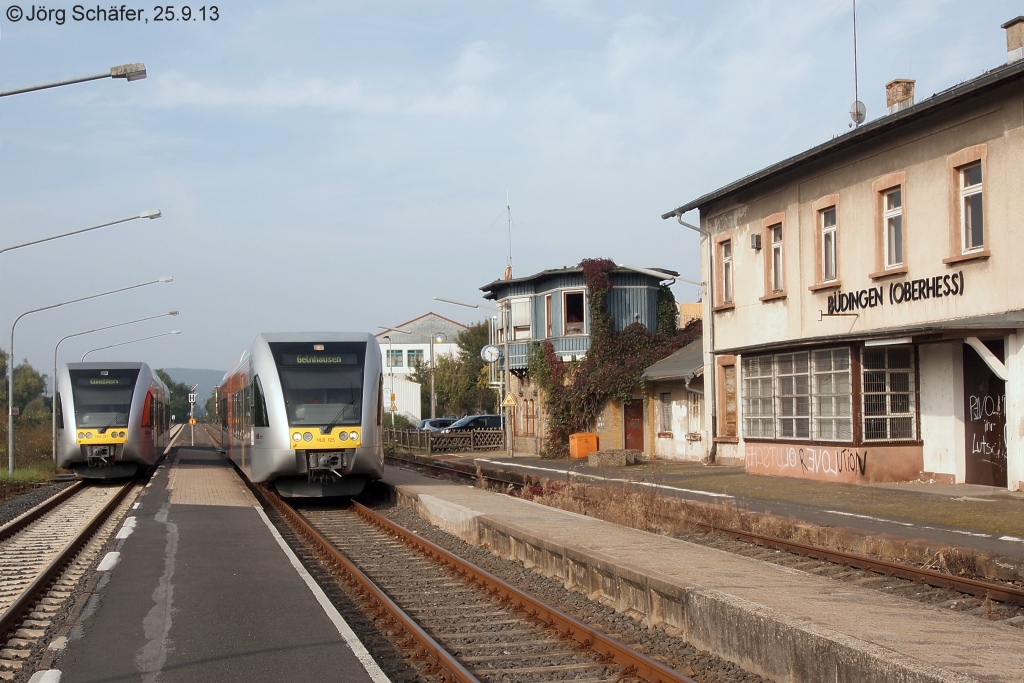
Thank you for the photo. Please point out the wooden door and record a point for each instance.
(633, 424)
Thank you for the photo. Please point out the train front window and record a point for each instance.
(102, 397)
(322, 383)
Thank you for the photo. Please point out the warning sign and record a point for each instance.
(509, 402)
(394, 408)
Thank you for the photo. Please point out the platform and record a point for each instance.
(784, 624)
(201, 588)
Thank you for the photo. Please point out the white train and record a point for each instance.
(113, 419)
(304, 411)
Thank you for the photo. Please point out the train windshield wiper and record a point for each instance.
(328, 428)
(111, 423)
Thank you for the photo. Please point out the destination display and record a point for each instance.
(319, 359)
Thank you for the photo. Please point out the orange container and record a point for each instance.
(582, 444)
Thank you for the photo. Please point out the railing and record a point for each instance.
(471, 440)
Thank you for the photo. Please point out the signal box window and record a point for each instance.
(972, 223)
(574, 313)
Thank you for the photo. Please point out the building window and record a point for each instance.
(394, 358)
(833, 395)
(520, 318)
(972, 223)
(798, 396)
(573, 306)
(829, 260)
(758, 398)
(415, 357)
(666, 413)
(892, 220)
(793, 396)
(725, 250)
(889, 392)
(727, 429)
(775, 232)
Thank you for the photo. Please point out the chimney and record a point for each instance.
(1014, 39)
(899, 94)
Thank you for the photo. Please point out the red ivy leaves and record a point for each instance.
(612, 368)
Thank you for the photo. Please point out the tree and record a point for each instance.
(179, 396)
(460, 381)
(28, 385)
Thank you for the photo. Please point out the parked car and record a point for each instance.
(474, 422)
(435, 424)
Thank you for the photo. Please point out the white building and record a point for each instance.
(863, 321)
(404, 347)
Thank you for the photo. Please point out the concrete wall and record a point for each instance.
(837, 463)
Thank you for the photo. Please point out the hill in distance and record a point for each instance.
(206, 379)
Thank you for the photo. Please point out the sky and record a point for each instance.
(336, 165)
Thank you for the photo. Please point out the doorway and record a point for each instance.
(633, 419)
(984, 419)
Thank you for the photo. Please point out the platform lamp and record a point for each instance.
(129, 72)
(391, 363)
(130, 341)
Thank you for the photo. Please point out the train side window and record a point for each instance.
(259, 404)
(60, 413)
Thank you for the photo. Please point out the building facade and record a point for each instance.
(863, 322)
(406, 346)
(553, 305)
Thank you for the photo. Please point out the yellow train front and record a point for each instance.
(112, 419)
(303, 411)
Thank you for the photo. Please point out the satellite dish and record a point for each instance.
(858, 112)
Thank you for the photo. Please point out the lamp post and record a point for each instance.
(441, 338)
(10, 372)
(129, 72)
(151, 214)
(130, 341)
(53, 407)
(506, 372)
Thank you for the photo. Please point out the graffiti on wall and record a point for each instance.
(817, 461)
(987, 426)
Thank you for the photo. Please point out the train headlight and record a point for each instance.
(81, 435)
(307, 436)
(296, 437)
(120, 435)
(88, 435)
(343, 436)
(353, 435)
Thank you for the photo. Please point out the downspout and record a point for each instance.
(713, 450)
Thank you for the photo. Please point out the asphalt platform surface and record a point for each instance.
(981, 518)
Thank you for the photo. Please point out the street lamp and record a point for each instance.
(391, 364)
(129, 72)
(53, 399)
(151, 214)
(505, 383)
(130, 341)
(441, 338)
(12, 357)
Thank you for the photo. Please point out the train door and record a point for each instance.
(985, 419)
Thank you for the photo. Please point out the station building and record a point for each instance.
(863, 320)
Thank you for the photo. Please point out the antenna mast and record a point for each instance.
(508, 209)
(857, 110)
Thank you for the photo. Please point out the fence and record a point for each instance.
(471, 440)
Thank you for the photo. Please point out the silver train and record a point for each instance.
(113, 419)
(304, 411)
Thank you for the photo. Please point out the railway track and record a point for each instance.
(957, 592)
(44, 554)
(460, 622)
